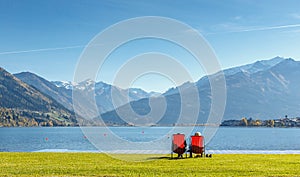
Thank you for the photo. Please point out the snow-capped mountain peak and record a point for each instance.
(254, 67)
(65, 84)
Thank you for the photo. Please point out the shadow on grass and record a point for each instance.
(166, 158)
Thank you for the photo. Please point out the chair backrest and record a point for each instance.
(197, 143)
(178, 143)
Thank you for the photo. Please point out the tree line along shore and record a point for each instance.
(244, 122)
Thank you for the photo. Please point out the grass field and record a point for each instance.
(97, 164)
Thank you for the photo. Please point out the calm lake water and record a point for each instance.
(72, 139)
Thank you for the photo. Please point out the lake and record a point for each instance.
(72, 139)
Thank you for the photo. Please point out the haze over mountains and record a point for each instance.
(266, 89)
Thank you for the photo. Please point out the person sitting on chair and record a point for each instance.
(197, 134)
(190, 148)
(180, 155)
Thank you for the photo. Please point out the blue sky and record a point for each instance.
(47, 37)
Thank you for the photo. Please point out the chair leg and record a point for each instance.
(191, 154)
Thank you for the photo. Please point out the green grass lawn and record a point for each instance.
(97, 164)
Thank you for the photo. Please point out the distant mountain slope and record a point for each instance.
(103, 92)
(61, 95)
(254, 67)
(267, 92)
(18, 98)
(62, 91)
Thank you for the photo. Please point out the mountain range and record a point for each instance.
(23, 105)
(266, 89)
(61, 91)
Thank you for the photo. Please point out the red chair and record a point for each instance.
(178, 144)
(197, 146)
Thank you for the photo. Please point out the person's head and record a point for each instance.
(197, 134)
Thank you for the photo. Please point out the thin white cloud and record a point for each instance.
(258, 29)
(41, 50)
(271, 28)
(225, 32)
